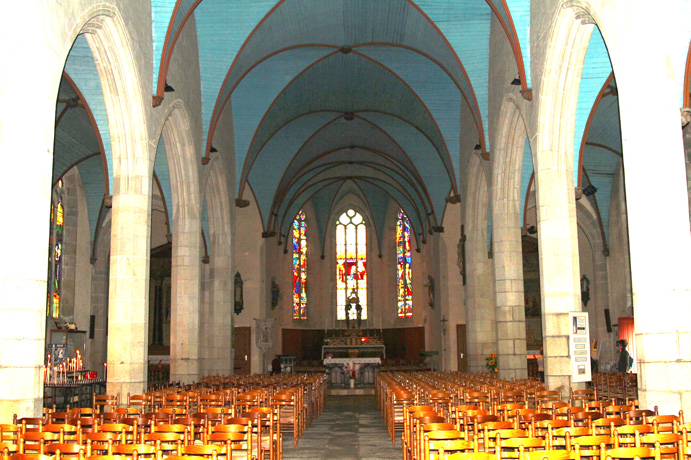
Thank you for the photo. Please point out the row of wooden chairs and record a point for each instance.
(410, 402)
(187, 419)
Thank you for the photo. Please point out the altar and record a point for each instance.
(340, 370)
(353, 357)
(355, 353)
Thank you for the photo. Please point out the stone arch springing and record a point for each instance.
(506, 240)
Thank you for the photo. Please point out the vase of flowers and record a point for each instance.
(492, 364)
(353, 374)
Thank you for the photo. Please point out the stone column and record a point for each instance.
(184, 327)
(510, 304)
(480, 311)
(659, 241)
(26, 160)
(129, 284)
(69, 246)
(559, 265)
(99, 299)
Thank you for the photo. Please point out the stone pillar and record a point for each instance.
(506, 242)
(129, 284)
(69, 246)
(217, 311)
(184, 327)
(559, 264)
(480, 311)
(99, 299)
(26, 160)
(659, 241)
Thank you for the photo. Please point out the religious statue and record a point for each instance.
(275, 292)
(353, 301)
(430, 291)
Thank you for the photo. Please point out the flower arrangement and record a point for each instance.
(492, 363)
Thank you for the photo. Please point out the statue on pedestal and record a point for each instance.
(353, 301)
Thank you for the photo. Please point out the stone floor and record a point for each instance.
(351, 427)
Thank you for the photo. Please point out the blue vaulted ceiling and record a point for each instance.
(290, 70)
(337, 97)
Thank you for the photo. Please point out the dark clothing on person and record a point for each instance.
(276, 366)
(625, 361)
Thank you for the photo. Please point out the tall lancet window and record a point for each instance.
(57, 218)
(403, 269)
(299, 267)
(351, 263)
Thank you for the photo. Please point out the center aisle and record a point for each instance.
(351, 427)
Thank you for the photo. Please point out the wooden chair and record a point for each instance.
(617, 410)
(185, 457)
(289, 410)
(557, 438)
(207, 451)
(65, 431)
(632, 453)
(9, 433)
(126, 431)
(581, 398)
(434, 441)
(547, 455)
(7, 448)
(101, 443)
(590, 446)
(35, 441)
(179, 401)
(514, 447)
(21, 456)
(135, 451)
(670, 445)
(473, 456)
(236, 438)
(103, 402)
(30, 424)
(638, 416)
(666, 423)
(628, 435)
(143, 402)
(606, 426)
(66, 450)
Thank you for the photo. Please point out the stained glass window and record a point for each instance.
(57, 217)
(351, 262)
(299, 267)
(404, 271)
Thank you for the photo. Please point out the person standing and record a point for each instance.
(625, 360)
(541, 366)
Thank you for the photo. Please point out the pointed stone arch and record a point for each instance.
(554, 180)
(106, 34)
(506, 240)
(186, 257)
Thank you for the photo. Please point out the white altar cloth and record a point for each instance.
(328, 361)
